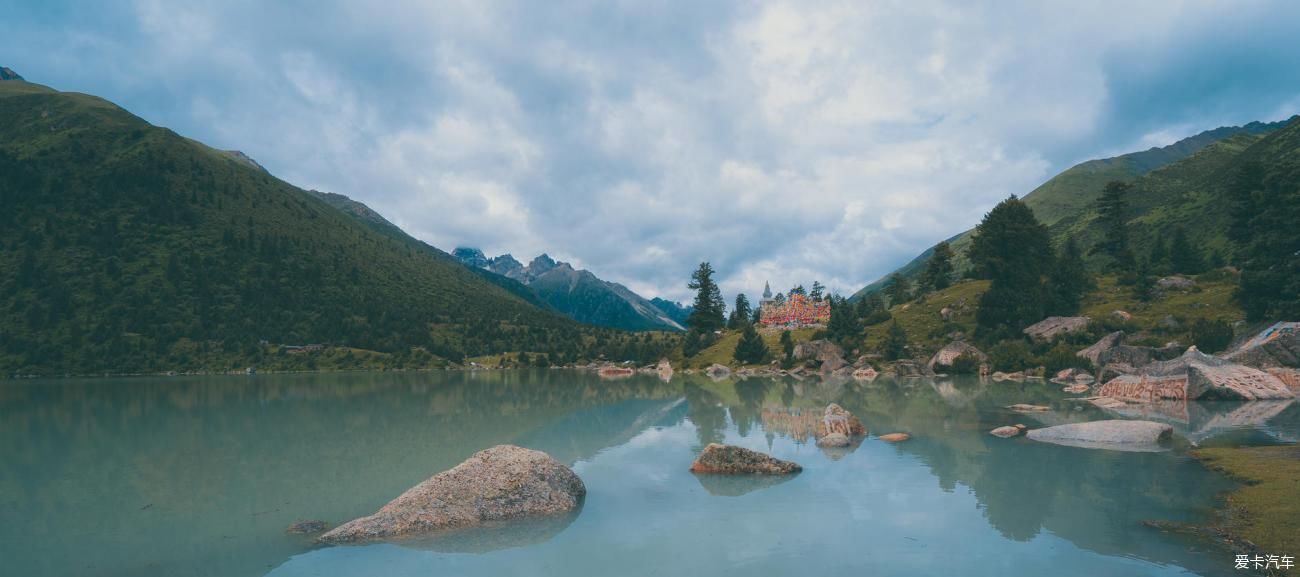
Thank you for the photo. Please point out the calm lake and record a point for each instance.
(201, 475)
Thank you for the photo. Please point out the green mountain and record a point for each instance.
(1159, 175)
(578, 294)
(129, 248)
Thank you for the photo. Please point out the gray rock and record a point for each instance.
(945, 357)
(1052, 327)
(1196, 375)
(1113, 434)
(1008, 431)
(909, 368)
(1276, 346)
(1175, 283)
(717, 371)
(833, 440)
(732, 460)
(1094, 352)
(838, 420)
(502, 483)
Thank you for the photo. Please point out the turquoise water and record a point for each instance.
(200, 476)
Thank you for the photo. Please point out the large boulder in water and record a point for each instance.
(1093, 353)
(1052, 327)
(1196, 375)
(498, 484)
(948, 354)
(1113, 434)
(1276, 346)
(837, 427)
(732, 460)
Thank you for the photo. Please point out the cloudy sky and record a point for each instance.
(788, 141)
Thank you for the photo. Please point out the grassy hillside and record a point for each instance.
(133, 249)
(927, 331)
(1175, 185)
(720, 352)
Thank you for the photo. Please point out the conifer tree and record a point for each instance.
(1013, 250)
(740, 315)
(751, 350)
(1068, 281)
(895, 345)
(708, 315)
(818, 291)
(899, 290)
(1112, 213)
(1184, 257)
(939, 269)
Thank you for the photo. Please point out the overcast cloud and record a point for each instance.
(782, 141)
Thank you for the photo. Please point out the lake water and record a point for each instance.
(200, 476)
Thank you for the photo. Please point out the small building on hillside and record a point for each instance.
(796, 311)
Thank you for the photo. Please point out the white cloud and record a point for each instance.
(783, 141)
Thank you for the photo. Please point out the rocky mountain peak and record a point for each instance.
(541, 265)
(9, 74)
(472, 257)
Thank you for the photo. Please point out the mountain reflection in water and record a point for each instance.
(200, 476)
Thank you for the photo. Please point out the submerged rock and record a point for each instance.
(1008, 431)
(1024, 408)
(732, 460)
(502, 483)
(1112, 434)
(1075, 388)
(895, 437)
(307, 528)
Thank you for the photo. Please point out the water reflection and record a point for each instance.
(200, 476)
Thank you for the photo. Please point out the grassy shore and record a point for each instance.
(1263, 515)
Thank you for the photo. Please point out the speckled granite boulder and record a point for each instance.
(497, 484)
(732, 460)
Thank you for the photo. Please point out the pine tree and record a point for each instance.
(818, 291)
(1068, 281)
(1184, 257)
(899, 290)
(798, 290)
(692, 343)
(843, 325)
(751, 350)
(1112, 213)
(1013, 250)
(939, 269)
(1158, 260)
(740, 315)
(708, 315)
(895, 345)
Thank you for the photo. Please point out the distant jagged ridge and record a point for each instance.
(578, 294)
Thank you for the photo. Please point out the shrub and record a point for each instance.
(1211, 336)
(1011, 355)
(965, 364)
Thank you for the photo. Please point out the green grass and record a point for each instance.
(1266, 509)
(720, 352)
(924, 325)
